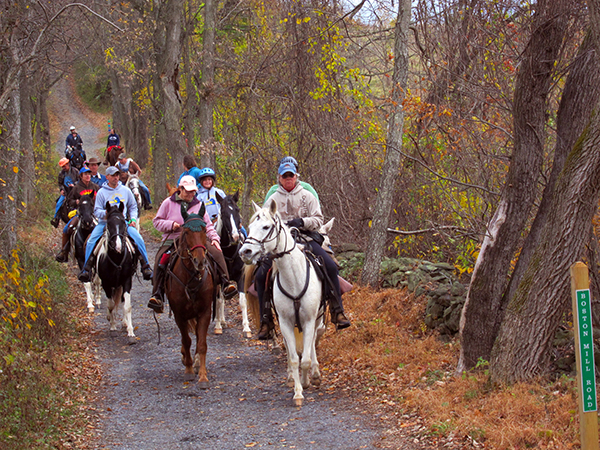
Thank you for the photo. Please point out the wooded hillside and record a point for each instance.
(479, 114)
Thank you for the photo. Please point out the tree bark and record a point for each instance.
(483, 309)
(383, 203)
(522, 350)
(167, 46)
(206, 100)
(581, 93)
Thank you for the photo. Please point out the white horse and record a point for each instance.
(297, 293)
(133, 183)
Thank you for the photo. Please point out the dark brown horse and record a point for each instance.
(112, 154)
(190, 288)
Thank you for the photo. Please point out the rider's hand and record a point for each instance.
(132, 222)
(296, 223)
(176, 226)
(216, 245)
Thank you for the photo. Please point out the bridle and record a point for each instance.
(273, 234)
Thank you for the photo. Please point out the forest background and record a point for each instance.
(467, 127)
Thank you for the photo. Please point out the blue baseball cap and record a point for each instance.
(84, 170)
(112, 170)
(287, 167)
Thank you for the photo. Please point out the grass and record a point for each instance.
(407, 374)
(44, 382)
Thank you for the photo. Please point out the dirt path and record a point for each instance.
(65, 110)
(145, 404)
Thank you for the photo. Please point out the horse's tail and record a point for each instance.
(251, 298)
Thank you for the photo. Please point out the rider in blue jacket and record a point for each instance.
(115, 193)
(189, 164)
(207, 192)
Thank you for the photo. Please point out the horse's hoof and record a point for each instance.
(218, 331)
(315, 382)
(189, 376)
(132, 340)
(247, 334)
(298, 401)
(113, 333)
(203, 384)
(91, 309)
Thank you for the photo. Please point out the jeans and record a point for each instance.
(131, 231)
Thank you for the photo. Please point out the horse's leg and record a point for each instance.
(315, 376)
(308, 345)
(98, 290)
(90, 296)
(127, 317)
(287, 330)
(113, 303)
(220, 313)
(201, 348)
(245, 322)
(186, 342)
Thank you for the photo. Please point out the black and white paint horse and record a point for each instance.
(85, 226)
(229, 227)
(115, 265)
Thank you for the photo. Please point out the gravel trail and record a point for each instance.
(145, 404)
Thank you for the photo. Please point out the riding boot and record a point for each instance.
(85, 276)
(156, 300)
(63, 256)
(266, 322)
(338, 318)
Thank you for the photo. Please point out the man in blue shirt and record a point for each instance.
(97, 178)
(114, 192)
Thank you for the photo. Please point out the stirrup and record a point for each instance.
(340, 321)
(229, 291)
(266, 331)
(156, 304)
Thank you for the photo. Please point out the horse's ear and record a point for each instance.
(236, 196)
(219, 198)
(328, 226)
(273, 208)
(121, 206)
(256, 207)
(202, 210)
(107, 206)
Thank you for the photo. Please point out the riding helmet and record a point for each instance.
(72, 128)
(207, 172)
(289, 159)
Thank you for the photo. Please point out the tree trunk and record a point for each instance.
(483, 309)
(167, 46)
(523, 348)
(206, 100)
(26, 156)
(581, 93)
(383, 203)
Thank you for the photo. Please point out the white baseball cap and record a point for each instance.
(188, 183)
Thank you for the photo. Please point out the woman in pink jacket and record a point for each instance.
(168, 220)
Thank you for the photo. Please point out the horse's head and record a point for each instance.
(85, 211)
(192, 241)
(265, 234)
(116, 227)
(229, 223)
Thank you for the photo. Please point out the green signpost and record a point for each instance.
(584, 356)
(586, 350)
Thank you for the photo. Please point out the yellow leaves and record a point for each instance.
(109, 53)
(301, 21)
(11, 198)
(15, 169)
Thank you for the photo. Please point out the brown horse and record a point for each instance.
(112, 154)
(190, 288)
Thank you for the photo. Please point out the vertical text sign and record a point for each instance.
(586, 350)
